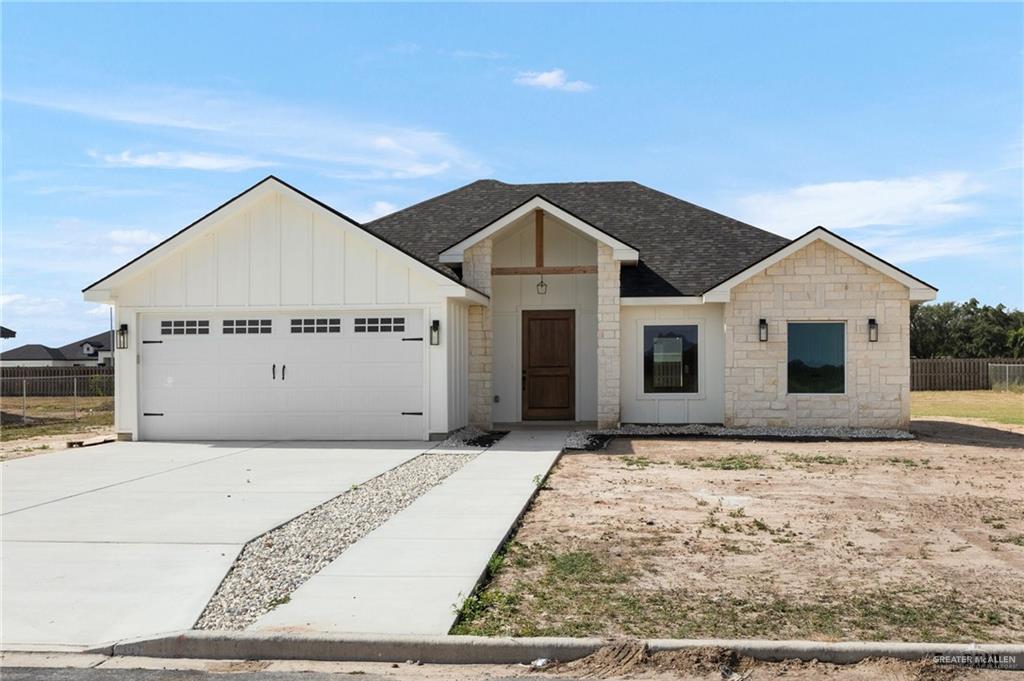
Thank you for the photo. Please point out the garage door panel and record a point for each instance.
(337, 385)
(381, 400)
(372, 426)
(369, 375)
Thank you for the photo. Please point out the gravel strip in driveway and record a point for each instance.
(275, 564)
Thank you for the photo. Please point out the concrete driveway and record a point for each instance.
(131, 539)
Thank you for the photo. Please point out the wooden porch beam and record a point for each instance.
(538, 230)
(562, 269)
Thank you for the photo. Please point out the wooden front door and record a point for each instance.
(549, 365)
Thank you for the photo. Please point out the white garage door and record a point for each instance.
(328, 376)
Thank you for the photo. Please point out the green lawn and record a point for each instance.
(1003, 407)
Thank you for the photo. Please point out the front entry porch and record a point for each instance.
(547, 347)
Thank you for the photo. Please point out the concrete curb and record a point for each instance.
(233, 645)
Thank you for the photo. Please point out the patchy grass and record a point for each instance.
(582, 593)
(1002, 407)
(807, 459)
(730, 462)
(823, 541)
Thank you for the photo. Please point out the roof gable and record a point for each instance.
(99, 290)
(920, 291)
(621, 250)
(683, 248)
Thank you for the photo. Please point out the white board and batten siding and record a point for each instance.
(281, 258)
(512, 294)
(705, 406)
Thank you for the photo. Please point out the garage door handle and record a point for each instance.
(273, 371)
(283, 367)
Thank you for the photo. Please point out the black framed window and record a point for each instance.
(246, 326)
(817, 357)
(316, 325)
(185, 327)
(670, 358)
(378, 324)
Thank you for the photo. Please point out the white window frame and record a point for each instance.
(846, 356)
(638, 358)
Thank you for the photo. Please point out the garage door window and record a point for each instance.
(317, 325)
(185, 327)
(379, 324)
(239, 326)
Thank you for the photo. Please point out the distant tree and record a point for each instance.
(967, 329)
(1015, 342)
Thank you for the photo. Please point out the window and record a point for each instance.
(670, 358)
(817, 357)
(317, 325)
(379, 324)
(238, 326)
(185, 327)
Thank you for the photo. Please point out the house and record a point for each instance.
(95, 350)
(6, 333)
(276, 316)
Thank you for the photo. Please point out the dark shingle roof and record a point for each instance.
(73, 351)
(684, 249)
(31, 351)
(7, 333)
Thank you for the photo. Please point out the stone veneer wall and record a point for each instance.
(476, 272)
(818, 283)
(609, 336)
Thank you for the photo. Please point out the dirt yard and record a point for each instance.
(913, 540)
(51, 422)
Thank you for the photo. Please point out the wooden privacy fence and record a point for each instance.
(57, 381)
(954, 374)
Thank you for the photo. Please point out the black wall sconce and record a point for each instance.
(542, 288)
(872, 330)
(121, 341)
(435, 332)
(762, 330)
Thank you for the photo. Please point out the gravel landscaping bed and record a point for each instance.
(597, 439)
(275, 564)
(471, 437)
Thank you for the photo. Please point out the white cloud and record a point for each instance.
(21, 305)
(850, 205)
(189, 160)
(909, 248)
(378, 209)
(98, 311)
(131, 240)
(260, 130)
(475, 54)
(555, 79)
(133, 237)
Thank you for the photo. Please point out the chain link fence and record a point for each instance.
(32, 403)
(1006, 377)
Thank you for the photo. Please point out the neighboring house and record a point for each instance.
(275, 316)
(92, 351)
(6, 333)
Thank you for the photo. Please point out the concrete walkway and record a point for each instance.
(410, 575)
(131, 539)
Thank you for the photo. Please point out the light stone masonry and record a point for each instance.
(609, 338)
(476, 272)
(818, 283)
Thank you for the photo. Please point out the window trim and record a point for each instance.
(638, 358)
(846, 356)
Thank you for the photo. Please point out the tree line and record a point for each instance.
(966, 330)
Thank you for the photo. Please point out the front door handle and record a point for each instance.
(273, 371)
(283, 368)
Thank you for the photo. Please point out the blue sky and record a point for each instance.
(899, 126)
